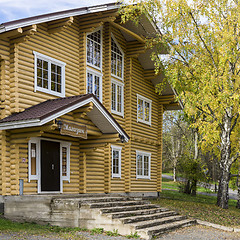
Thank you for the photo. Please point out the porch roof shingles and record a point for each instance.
(45, 109)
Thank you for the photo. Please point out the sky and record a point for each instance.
(16, 9)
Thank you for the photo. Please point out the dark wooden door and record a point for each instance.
(50, 166)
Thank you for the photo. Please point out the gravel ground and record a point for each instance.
(189, 233)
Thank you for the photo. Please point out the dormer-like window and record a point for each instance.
(116, 59)
(49, 75)
(94, 42)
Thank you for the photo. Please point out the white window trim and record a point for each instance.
(99, 74)
(113, 75)
(117, 148)
(150, 109)
(121, 84)
(89, 64)
(149, 165)
(56, 62)
(37, 177)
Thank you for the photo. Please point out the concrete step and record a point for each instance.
(141, 212)
(160, 229)
(140, 218)
(104, 199)
(116, 204)
(157, 222)
(128, 208)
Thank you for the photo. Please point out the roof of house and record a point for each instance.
(44, 112)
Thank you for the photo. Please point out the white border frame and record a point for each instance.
(56, 62)
(37, 177)
(150, 110)
(98, 74)
(101, 48)
(119, 149)
(123, 56)
(121, 84)
(148, 154)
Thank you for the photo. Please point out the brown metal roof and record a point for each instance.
(45, 109)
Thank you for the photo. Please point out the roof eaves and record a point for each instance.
(8, 26)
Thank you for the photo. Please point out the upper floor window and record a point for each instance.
(117, 97)
(49, 75)
(116, 59)
(116, 161)
(144, 109)
(94, 83)
(143, 164)
(94, 48)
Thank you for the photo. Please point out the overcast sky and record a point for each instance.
(17, 9)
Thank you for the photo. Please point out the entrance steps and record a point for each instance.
(124, 214)
(111, 212)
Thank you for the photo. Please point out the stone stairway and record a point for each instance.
(129, 215)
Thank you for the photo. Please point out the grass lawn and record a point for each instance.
(42, 230)
(201, 207)
(170, 184)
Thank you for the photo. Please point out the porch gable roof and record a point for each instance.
(49, 110)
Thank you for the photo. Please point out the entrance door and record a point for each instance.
(50, 166)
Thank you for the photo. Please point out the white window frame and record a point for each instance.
(98, 74)
(118, 83)
(116, 42)
(56, 62)
(119, 149)
(142, 176)
(90, 64)
(144, 99)
(37, 177)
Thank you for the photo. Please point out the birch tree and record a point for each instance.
(203, 65)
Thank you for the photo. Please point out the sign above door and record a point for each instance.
(73, 130)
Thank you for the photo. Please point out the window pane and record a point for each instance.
(97, 87)
(64, 161)
(33, 158)
(146, 165)
(147, 111)
(89, 83)
(140, 109)
(119, 98)
(139, 164)
(113, 96)
(115, 161)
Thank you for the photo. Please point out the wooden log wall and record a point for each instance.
(90, 170)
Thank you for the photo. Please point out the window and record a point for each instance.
(116, 59)
(94, 83)
(33, 159)
(144, 108)
(49, 75)
(94, 49)
(116, 161)
(117, 97)
(65, 160)
(143, 162)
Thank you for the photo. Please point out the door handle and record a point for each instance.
(52, 166)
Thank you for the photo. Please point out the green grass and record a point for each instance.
(43, 230)
(200, 207)
(169, 184)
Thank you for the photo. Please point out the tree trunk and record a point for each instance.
(225, 161)
(195, 144)
(174, 170)
(238, 186)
